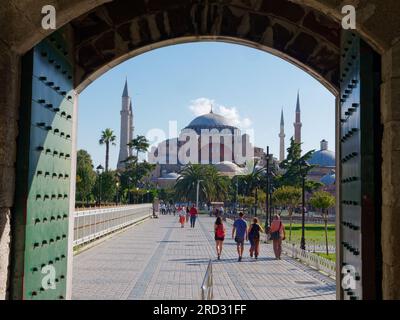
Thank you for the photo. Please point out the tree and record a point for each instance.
(289, 197)
(212, 187)
(186, 184)
(324, 201)
(107, 182)
(107, 138)
(135, 171)
(293, 168)
(139, 144)
(85, 176)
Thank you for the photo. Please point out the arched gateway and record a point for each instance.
(42, 74)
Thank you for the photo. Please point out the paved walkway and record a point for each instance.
(159, 260)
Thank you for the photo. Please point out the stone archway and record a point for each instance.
(305, 32)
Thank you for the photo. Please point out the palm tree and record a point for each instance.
(213, 185)
(216, 185)
(253, 181)
(107, 137)
(186, 184)
(139, 144)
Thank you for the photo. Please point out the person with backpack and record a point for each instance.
(254, 238)
(277, 234)
(219, 230)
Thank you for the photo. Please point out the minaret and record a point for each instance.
(131, 127)
(297, 124)
(126, 128)
(282, 139)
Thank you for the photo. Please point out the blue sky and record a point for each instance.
(177, 83)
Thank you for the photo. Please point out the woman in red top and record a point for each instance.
(193, 216)
(219, 230)
(277, 233)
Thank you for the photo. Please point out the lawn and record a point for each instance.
(331, 256)
(314, 233)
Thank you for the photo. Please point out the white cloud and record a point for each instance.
(203, 105)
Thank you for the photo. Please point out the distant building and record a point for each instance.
(325, 165)
(222, 147)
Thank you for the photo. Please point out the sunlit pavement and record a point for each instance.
(159, 260)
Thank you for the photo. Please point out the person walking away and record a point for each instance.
(277, 232)
(182, 217)
(187, 213)
(219, 230)
(193, 216)
(254, 238)
(239, 233)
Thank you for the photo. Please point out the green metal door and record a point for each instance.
(360, 181)
(41, 212)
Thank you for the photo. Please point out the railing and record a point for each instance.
(92, 224)
(313, 260)
(207, 285)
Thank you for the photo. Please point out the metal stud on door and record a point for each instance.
(41, 213)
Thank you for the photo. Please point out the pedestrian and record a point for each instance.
(181, 214)
(254, 238)
(239, 233)
(277, 233)
(187, 213)
(193, 216)
(219, 230)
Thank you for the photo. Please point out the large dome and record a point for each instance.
(210, 121)
(323, 157)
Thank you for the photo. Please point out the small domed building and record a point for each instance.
(324, 161)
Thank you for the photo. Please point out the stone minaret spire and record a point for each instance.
(131, 127)
(282, 139)
(297, 124)
(126, 128)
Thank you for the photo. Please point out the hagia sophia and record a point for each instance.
(222, 148)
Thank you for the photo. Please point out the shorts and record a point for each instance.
(219, 238)
(239, 240)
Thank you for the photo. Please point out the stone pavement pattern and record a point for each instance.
(159, 260)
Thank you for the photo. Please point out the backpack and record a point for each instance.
(220, 231)
(254, 232)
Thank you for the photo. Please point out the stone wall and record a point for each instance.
(391, 172)
(9, 88)
(20, 30)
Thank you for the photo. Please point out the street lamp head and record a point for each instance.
(99, 168)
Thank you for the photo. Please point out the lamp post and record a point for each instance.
(236, 195)
(197, 193)
(99, 173)
(129, 190)
(303, 171)
(118, 175)
(267, 217)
